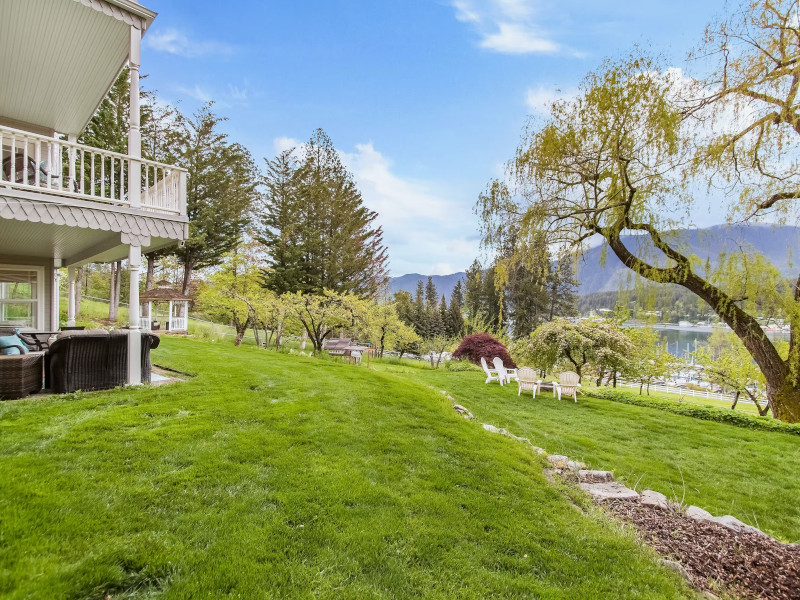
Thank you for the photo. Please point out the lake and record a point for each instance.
(681, 341)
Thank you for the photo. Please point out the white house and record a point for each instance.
(63, 204)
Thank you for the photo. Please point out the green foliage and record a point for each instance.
(461, 365)
(706, 413)
(221, 189)
(318, 232)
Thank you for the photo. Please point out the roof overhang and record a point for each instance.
(58, 58)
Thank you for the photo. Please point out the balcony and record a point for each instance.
(61, 171)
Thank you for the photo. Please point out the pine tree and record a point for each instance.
(491, 305)
(221, 189)
(473, 296)
(420, 313)
(431, 295)
(454, 322)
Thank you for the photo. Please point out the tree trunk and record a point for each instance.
(278, 335)
(735, 400)
(188, 268)
(151, 269)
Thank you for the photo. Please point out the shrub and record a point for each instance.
(478, 345)
(706, 413)
(460, 365)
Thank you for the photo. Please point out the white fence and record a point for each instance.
(668, 389)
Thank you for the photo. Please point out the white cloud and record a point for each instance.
(280, 144)
(174, 41)
(513, 38)
(540, 99)
(506, 26)
(198, 93)
(225, 97)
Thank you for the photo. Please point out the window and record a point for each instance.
(21, 296)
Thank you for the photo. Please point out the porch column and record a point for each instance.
(71, 296)
(135, 335)
(134, 134)
(55, 297)
(169, 318)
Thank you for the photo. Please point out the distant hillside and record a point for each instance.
(778, 244)
(444, 283)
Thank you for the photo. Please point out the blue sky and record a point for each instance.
(426, 99)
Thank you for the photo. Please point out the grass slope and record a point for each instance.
(725, 469)
(275, 476)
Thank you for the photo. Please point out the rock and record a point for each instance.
(558, 460)
(735, 524)
(654, 499)
(608, 491)
(539, 451)
(586, 476)
(676, 566)
(463, 411)
(575, 465)
(491, 428)
(698, 514)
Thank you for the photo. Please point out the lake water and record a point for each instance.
(683, 340)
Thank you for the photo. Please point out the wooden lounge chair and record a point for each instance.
(526, 379)
(491, 374)
(505, 374)
(568, 384)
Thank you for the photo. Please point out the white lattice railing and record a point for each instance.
(33, 162)
(177, 324)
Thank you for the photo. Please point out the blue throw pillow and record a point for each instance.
(11, 340)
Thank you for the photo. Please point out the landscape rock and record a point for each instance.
(587, 476)
(539, 451)
(698, 514)
(654, 499)
(736, 525)
(463, 411)
(558, 460)
(575, 465)
(491, 428)
(676, 566)
(608, 491)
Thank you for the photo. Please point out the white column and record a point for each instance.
(71, 296)
(55, 297)
(169, 318)
(135, 335)
(71, 154)
(134, 134)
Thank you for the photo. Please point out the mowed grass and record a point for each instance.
(277, 476)
(722, 468)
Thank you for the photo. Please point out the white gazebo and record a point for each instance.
(178, 303)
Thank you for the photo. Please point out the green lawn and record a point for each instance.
(725, 469)
(277, 476)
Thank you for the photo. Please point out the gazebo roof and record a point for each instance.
(163, 293)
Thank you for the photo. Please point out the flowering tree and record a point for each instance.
(385, 329)
(320, 314)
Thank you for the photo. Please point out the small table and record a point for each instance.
(548, 386)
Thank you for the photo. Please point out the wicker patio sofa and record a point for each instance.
(94, 359)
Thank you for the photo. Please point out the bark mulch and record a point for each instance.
(744, 564)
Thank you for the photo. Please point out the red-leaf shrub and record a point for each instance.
(478, 345)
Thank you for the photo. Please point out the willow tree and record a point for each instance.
(625, 156)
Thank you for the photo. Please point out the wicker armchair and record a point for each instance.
(20, 374)
(94, 359)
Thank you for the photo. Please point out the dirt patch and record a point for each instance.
(745, 564)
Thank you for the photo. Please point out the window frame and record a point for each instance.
(40, 291)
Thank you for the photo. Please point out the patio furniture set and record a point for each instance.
(567, 384)
(67, 361)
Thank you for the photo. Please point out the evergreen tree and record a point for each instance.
(404, 307)
(473, 295)
(491, 300)
(561, 286)
(221, 189)
(454, 321)
(431, 295)
(317, 229)
(278, 227)
(420, 312)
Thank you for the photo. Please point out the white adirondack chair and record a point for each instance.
(526, 379)
(568, 384)
(491, 374)
(505, 374)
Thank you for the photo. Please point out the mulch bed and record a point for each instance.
(745, 564)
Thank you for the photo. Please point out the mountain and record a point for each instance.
(776, 243)
(444, 283)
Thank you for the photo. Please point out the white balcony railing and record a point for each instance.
(33, 162)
